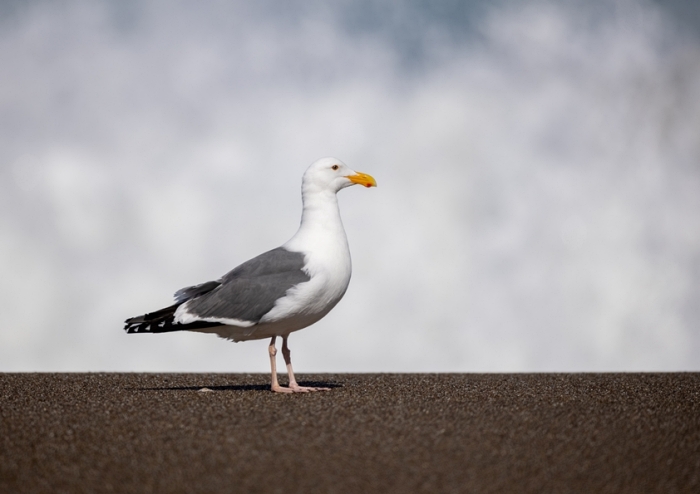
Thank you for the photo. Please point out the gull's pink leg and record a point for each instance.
(292, 381)
(273, 365)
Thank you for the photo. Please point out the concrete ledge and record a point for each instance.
(538, 433)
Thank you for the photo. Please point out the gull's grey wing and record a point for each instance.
(184, 294)
(249, 291)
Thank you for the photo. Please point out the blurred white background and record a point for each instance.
(538, 163)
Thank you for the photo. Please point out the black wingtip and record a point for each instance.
(134, 327)
(159, 321)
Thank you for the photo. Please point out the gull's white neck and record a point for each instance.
(321, 227)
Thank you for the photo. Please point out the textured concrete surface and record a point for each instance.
(525, 433)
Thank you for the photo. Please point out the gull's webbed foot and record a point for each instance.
(306, 389)
(295, 388)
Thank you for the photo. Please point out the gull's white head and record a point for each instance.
(331, 174)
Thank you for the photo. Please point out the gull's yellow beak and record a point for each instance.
(362, 179)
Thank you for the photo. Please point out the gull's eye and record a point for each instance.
(335, 167)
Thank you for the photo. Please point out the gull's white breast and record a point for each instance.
(329, 267)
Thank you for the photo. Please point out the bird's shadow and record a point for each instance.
(239, 387)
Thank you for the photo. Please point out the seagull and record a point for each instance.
(283, 290)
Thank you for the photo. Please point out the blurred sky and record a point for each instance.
(538, 163)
